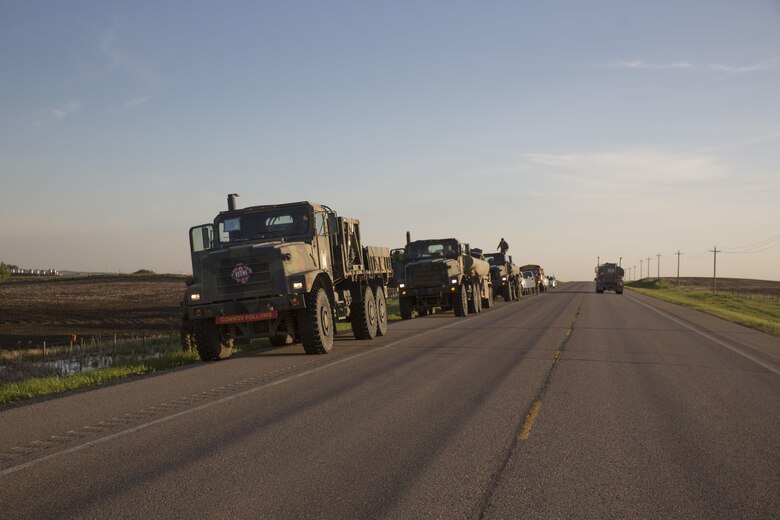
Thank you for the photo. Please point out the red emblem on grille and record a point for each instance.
(241, 273)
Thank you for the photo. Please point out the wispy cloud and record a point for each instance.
(66, 110)
(719, 68)
(636, 167)
(126, 63)
(136, 102)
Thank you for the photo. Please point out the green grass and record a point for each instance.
(759, 314)
(47, 385)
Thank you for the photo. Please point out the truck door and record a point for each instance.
(201, 242)
(321, 242)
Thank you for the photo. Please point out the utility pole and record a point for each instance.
(658, 270)
(641, 269)
(634, 273)
(715, 252)
(648, 267)
(678, 253)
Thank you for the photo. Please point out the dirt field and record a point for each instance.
(34, 310)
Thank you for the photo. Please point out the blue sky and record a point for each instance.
(572, 129)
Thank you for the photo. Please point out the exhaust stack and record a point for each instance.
(408, 237)
(232, 201)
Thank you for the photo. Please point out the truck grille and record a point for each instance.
(425, 276)
(259, 283)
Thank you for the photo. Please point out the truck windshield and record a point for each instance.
(432, 249)
(265, 225)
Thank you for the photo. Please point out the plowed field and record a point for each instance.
(34, 310)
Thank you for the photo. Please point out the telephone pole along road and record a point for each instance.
(570, 404)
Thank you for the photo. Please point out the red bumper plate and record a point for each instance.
(246, 318)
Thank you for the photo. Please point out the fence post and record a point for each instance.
(43, 354)
(113, 350)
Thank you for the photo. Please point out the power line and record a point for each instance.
(755, 245)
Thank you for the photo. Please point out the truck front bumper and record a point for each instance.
(249, 306)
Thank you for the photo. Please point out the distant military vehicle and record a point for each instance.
(541, 280)
(505, 276)
(286, 272)
(609, 277)
(443, 274)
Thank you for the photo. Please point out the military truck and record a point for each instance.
(505, 276)
(286, 272)
(609, 277)
(540, 280)
(442, 274)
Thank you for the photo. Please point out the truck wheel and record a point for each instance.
(487, 303)
(381, 311)
(460, 301)
(506, 293)
(315, 323)
(405, 307)
(211, 347)
(364, 316)
(474, 306)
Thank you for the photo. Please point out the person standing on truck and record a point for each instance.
(503, 247)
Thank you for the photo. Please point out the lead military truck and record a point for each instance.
(609, 277)
(286, 272)
(443, 274)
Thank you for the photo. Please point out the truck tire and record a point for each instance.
(475, 302)
(211, 347)
(506, 293)
(364, 315)
(316, 323)
(381, 311)
(460, 301)
(487, 303)
(405, 307)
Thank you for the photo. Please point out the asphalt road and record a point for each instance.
(569, 404)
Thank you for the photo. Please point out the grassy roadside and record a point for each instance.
(763, 315)
(54, 384)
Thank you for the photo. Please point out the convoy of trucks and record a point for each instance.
(289, 272)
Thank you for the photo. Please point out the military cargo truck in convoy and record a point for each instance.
(609, 277)
(286, 272)
(540, 281)
(505, 276)
(443, 274)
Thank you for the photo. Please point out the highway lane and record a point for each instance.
(568, 404)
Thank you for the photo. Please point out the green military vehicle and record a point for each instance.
(443, 274)
(505, 276)
(286, 272)
(609, 277)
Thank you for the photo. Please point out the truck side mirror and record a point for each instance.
(333, 224)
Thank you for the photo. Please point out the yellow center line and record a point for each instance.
(557, 356)
(529, 421)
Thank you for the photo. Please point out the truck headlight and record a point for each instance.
(297, 285)
(503, 278)
(195, 297)
(454, 280)
(401, 285)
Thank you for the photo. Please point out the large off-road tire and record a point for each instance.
(475, 302)
(381, 311)
(460, 301)
(316, 324)
(364, 315)
(211, 347)
(487, 303)
(405, 307)
(506, 292)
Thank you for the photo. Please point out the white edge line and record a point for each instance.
(713, 339)
(188, 411)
